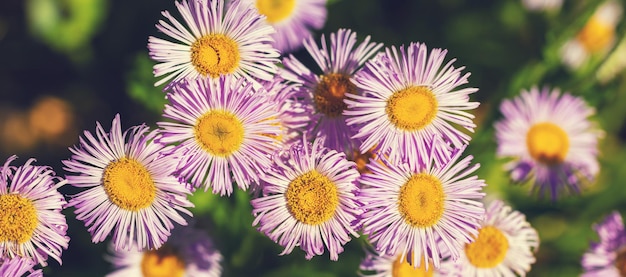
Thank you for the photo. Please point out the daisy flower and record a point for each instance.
(129, 190)
(218, 39)
(504, 245)
(189, 252)
(19, 266)
(325, 93)
(292, 19)
(220, 126)
(550, 138)
(31, 223)
(410, 206)
(596, 37)
(607, 257)
(408, 97)
(377, 265)
(309, 200)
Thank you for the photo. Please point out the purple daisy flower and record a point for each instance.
(504, 245)
(292, 19)
(407, 98)
(219, 39)
(130, 191)
(31, 223)
(309, 200)
(607, 258)
(409, 207)
(189, 252)
(19, 267)
(325, 93)
(221, 126)
(381, 265)
(551, 140)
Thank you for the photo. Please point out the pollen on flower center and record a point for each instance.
(18, 218)
(547, 143)
(275, 10)
(489, 248)
(596, 35)
(412, 108)
(421, 200)
(312, 198)
(162, 262)
(330, 92)
(128, 184)
(402, 268)
(214, 55)
(219, 132)
(620, 262)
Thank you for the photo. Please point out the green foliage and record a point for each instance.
(66, 25)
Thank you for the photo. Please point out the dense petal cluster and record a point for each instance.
(220, 126)
(324, 90)
(292, 19)
(410, 206)
(551, 140)
(408, 96)
(219, 38)
(309, 200)
(504, 246)
(32, 227)
(188, 252)
(128, 189)
(607, 257)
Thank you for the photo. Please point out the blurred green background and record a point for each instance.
(65, 64)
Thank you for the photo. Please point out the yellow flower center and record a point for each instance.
(402, 268)
(329, 94)
(162, 262)
(276, 10)
(596, 35)
(620, 262)
(547, 143)
(214, 55)
(219, 132)
(489, 248)
(421, 200)
(412, 108)
(18, 218)
(312, 198)
(128, 184)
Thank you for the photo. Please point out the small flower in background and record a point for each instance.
(596, 37)
(607, 257)
(292, 19)
(409, 206)
(504, 245)
(222, 39)
(553, 143)
(325, 93)
(542, 5)
(309, 200)
(189, 252)
(407, 98)
(377, 265)
(19, 267)
(31, 223)
(220, 126)
(129, 190)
